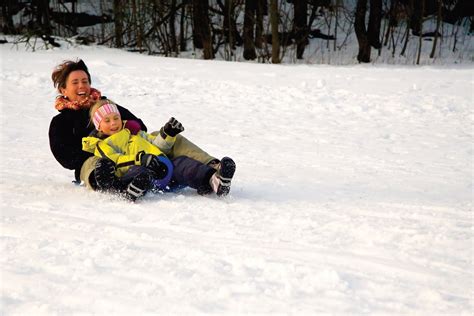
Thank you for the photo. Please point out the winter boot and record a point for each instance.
(214, 163)
(221, 180)
(139, 186)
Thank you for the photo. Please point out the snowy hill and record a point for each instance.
(353, 192)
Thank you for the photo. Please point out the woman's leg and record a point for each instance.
(87, 172)
(192, 173)
(184, 147)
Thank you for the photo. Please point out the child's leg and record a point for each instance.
(192, 173)
(136, 182)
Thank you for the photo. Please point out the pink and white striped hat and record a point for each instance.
(102, 111)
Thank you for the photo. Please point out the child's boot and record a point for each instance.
(221, 180)
(139, 186)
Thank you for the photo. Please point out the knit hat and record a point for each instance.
(102, 112)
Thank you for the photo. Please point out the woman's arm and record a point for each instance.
(65, 146)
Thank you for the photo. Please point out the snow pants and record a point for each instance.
(189, 172)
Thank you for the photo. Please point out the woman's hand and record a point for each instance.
(133, 126)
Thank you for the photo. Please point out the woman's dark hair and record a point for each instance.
(62, 71)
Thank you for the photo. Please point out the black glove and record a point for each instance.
(153, 163)
(104, 174)
(173, 127)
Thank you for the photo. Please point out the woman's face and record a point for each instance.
(110, 124)
(78, 86)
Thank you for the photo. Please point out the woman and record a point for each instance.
(73, 81)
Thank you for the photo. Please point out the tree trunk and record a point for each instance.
(338, 6)
(405, 43)
(7, 27)
(182, 38)
(42, 17)
(202, 29)
(392, 22)
(227, 29)
(361, 32)
(438, 24)
(275, 18)
(229, 23)
(249, 22)
(260, 12)
(300, 25)
(416, 18)
(197, 25)
(375, 19)
(134, 28)
(118, 22)
(420, 37)
(173, 43)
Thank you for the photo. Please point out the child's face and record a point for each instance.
(111, 124)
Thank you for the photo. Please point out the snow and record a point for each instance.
(353, 192)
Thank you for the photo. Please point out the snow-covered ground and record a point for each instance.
(353, 192)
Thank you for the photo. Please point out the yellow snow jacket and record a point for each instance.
(123, 148)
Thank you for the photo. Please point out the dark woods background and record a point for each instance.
(263, 30)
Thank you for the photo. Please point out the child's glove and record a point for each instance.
(153, 163)
(104, 174)
(173, 127)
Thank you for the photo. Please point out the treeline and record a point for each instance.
(258, 29)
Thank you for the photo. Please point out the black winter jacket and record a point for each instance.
(65, 136)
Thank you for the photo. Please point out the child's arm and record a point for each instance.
(164, 144)
(166, 137)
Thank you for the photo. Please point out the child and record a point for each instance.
(136, 163)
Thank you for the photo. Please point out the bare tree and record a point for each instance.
(7, 15)
(375, 18)
(275, 18)
(420, 31)
(118, 22)
(231, 33)
(229, 22)
(43, 22)
(202, 29)
(172, 26)
(361, 32)
(260, 12)
(249, 23)
(438, 23)
(182, 29)
(219, 26)
(416, 18)
(300, 26)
